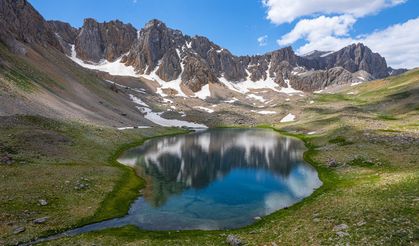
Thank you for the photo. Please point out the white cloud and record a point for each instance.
(399, 43)
(282, 11)
(316, 29)
(263, 40)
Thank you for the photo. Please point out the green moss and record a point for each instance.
(340, 140)
(386, 117)
(361, 162)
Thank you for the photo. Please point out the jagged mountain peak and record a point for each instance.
(167, 55)
(155, 23)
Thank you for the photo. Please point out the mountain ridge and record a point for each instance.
(167, 51)
(167, 55)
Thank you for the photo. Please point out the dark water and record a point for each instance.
(215, 179)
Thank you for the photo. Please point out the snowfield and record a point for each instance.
(115, 68)
(157, 119)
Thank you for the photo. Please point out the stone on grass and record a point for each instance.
(43, 202)
(19, 229)
(233, 240)
(41, 220)
(340, 227)
(342, 233)
(361, 223)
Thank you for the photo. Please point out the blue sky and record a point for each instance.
(237, 24)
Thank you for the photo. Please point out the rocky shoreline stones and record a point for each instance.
(233, 240)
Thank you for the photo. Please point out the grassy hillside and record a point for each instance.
(71, 166)
(364, 141)
(365, 147)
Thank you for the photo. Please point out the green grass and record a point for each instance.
(386, 117)
(361, 162)
(50, 158)
(22, 74)
(340, 140)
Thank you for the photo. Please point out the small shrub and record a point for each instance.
(361, 162)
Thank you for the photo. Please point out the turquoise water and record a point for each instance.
(217, 179)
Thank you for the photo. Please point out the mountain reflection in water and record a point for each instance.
(216, 179)
(219, 178)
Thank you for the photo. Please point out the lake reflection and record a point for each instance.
(217, 179)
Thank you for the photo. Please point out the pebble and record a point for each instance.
(342, 233)
(41, 220)
(361, 223)
(19, 229)
(257, 218)
(340, 227)
(316, 220)
(43, 202)
(233, 240)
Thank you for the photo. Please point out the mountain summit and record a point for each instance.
(165, 54)
(160, 53)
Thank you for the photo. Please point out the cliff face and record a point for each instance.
(20, 22)
(195, 61)
(65, 33)
(108, 40)
(199, 61)
(354, 58)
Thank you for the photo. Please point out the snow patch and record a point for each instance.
(266, 112)
(115, 68)
(328, 53)
(157, 119)
(289, 90)
(231, 100)
(204, 92)
(208, 110)
(173, 84)
(356, 83)
(256, 97)
(137, 100)
(132, 127)
(290, 117)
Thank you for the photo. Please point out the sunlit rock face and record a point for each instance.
(104, 41)
(235, 173)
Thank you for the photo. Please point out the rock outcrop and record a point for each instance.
(356, 57)
(65, 33)
(108, 40)
(21, 24)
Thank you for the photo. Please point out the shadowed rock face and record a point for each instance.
(20, 22)
(65, 33)
(108, 40)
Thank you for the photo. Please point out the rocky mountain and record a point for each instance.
(197, 61)
(167, 55)
(21, 23)
(109, 40)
